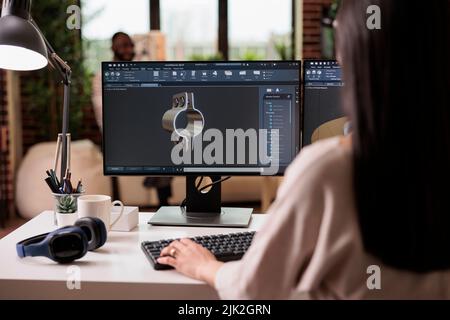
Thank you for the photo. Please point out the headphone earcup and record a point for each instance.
(95, 231)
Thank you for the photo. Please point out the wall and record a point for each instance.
(31, 135)
(6, 184)
(312, 13)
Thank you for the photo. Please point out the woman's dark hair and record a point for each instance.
(397, 94)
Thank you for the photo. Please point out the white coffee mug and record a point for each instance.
(98, 206)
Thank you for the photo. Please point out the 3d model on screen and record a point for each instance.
(195, 122)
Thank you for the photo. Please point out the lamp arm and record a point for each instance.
(59, 64)
(65, 72)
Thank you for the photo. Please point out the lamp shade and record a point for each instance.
(22, 46)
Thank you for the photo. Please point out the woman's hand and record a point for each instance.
(191, 259)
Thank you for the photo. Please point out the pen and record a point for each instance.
(78, 189)
(52, 175)
(52, 185)
(69, 186)
(55, 178)
(66, 186)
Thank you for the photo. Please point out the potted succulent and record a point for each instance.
(66, 208)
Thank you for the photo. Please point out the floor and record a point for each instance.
(11, 225)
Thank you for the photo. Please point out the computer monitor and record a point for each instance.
(200, 119)
(323, 116)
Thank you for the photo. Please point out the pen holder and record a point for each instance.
(65, 208)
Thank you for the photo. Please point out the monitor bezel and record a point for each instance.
(184, 174)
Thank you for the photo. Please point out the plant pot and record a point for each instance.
(65, 209)
(66, 219)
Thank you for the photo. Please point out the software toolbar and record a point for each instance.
(151, 74)
(325, 73)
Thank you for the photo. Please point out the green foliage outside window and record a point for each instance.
(283, 50)
(43, 89)
(251, 55)
(328, 37)
(204, 57)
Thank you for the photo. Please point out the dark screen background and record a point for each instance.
(133, 133)
(322, 104)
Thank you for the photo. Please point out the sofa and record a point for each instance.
(235, 190)
(33, 196)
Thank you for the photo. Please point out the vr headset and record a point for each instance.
(66, 244)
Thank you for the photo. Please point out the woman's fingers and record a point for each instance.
(177, 245)
(190, 258)
(168, 251)
(188, 242)
(165, 251)
(168, 260)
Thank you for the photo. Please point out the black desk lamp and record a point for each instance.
(24, 47)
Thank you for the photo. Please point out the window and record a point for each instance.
(190, 27)
(103, 18)
(259, 29)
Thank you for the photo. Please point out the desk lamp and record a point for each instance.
(23, 47)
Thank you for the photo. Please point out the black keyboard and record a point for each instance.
(225, 247)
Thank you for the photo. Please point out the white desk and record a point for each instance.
(118, 270)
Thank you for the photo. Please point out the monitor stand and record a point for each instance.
(203, 209)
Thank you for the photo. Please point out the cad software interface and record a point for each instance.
(322, 113)
(141, 101)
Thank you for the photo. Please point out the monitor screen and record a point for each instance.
(234, 111)
(323, 116)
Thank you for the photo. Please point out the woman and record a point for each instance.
(352, 212)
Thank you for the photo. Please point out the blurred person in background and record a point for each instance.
(122, 47)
